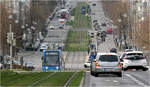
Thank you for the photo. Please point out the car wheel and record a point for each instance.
(96, 74)
(145, 69)
(119, 74)
(85, 66)
(91, 73)
(137, 69)
(124, 69)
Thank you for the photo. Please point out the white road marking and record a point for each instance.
(137, 81)
(107, 80)
(115, 81)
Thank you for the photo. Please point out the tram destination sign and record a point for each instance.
(51, 53)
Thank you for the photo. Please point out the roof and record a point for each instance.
(134, 52)
(107, 54)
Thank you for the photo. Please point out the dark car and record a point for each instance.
(103, 24)
(104, 33)
(94, 21)
(113, 50)
(94, 4)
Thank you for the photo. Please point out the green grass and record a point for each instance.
(76, 41)
(75, 82)
(9, 78)
(58, 79)
(80, 20)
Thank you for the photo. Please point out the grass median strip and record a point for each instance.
(21, 79)
(76, 41)
(75, 82)
(56, 80)
(80, 20)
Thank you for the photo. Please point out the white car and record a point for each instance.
(87, 64)
(44, 46)
(133, 60)
(52, 27)
(130, 53)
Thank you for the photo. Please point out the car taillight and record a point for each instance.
(119, 64)
(97, 65)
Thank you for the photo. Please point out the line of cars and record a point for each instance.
(114, 64)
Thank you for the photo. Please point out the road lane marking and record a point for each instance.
(107, 80)
(137, 81)
(115, 81)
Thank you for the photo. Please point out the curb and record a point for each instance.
(82, 83)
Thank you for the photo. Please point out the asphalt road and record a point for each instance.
(131, 78)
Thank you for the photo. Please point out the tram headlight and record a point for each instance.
(46, 67)
(57, 67)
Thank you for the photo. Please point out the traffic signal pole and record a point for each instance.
(11, 47)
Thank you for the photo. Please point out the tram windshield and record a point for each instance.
(51, 59)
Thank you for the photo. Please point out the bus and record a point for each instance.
(52, 60)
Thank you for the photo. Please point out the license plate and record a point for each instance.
(108, 69)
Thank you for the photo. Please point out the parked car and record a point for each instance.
(106, 63)
(28, 66)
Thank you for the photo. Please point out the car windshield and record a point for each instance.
(135, 57)
(108, 58)
(138, 54)
(43, 46)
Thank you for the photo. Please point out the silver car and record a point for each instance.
(106, 63)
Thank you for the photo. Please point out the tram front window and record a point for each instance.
(51, 60)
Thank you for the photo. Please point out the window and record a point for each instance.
(138, 54)
(51, 60)
(108, 58)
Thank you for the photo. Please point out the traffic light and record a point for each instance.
(98, 34)
(8, 37)
(92, 35)
(13, 35)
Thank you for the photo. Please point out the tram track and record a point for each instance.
(68, 81)
(36, 82)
